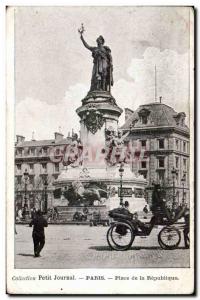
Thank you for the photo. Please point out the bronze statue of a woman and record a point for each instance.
(102, 73)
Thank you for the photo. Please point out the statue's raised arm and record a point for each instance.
(81, 30)
(86, 44)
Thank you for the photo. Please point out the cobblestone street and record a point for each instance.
(79, 246)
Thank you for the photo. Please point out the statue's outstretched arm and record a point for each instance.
(85, 44)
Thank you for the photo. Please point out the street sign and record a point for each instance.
(126, 192)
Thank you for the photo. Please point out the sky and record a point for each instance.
(53, 69)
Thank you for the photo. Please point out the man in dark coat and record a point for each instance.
(187, 228)
(38, 235)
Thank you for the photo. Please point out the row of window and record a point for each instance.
(144, 118)
(161, 163)
(32, 151)
(31, 179)
(161, 176)
(43, 166)
(179, 144)
(177, 163)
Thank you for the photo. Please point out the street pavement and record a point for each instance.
(81, 246)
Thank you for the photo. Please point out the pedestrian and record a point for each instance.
(145, 211)
(187, 228)
(38, 234)
(33, 213)
(24, 211)
(126, 205)
(55, 213)
(19, 214)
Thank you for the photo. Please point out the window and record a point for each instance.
(184, 146)
(177, 144)
(144, 119)
(31, 167)
(143, 115)
(143, 143)
(161, 176)
(161, 162)
(56, 167)
(45, 151)
(19, 167)
(44, 166)
(184, 177)
(32, 151)
(143, 164)
(19, 151)
(161, 143)
(185, 164)
(177, 162)
(177, 177)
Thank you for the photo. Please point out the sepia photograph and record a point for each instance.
(100, 174)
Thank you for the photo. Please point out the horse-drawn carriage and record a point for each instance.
(126, 226)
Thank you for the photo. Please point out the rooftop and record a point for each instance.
(43, 143)
(157, 115)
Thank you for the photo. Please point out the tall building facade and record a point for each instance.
(38, 163)
(159, 137)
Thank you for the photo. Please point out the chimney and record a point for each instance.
(128, 113)
(20, 139)
(58, 136)
(33, 136)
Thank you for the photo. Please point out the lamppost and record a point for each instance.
(121, 171)
(183, 184)
(45, 194)
(174, 173)
(26, 177)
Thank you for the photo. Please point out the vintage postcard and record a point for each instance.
(100, 150)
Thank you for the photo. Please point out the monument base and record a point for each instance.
(107, 177)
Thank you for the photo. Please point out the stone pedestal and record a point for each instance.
(98, 113)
